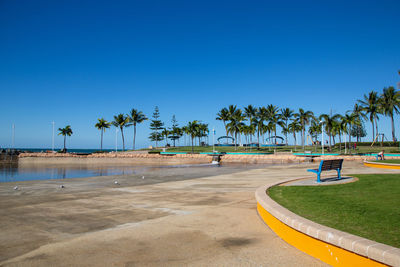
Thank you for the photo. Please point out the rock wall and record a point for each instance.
(151, 159)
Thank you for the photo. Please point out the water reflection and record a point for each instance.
(22, 172)
(12, 172)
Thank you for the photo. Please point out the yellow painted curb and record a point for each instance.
(321, 250)
(382, 165)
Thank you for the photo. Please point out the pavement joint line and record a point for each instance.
(371, 246)
(383, 254)
(355, 241)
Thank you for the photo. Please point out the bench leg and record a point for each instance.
(318, 177)
(338, 174)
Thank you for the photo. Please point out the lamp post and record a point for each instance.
(213, 140)
(13, 136)
(322, 127)
(52, 140)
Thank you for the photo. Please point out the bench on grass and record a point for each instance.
(328, 165)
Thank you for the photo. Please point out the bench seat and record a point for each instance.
(328, 165)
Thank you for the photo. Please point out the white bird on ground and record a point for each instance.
(142, 177)
(16, 188)
(116, 182)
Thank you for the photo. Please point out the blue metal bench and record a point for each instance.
(328, 165)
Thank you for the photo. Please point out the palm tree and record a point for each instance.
(329, 121)
(304, 119)
(192, 129)
(358, 112)
(294, 127)
(66, 131)
(285, 129)
(232, 110)
(250, 113)
(337, 130)
(185, 132)
(136, 117)
(202, 131)
(370, 105)
(175, 134)
(348, 120)
(268, 128)
(274, 117)
(262, 116)
(315, 129)
(235, 124)
(102, 125)
(389, 104)
(286, 115)
(223, 115)
(121, 121)
(165, 132)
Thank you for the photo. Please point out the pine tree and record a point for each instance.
(176, 132)
(156, 125)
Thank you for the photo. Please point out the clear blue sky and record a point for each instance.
(76, 61)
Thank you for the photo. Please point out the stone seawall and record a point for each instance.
(151, 159)
(112, 159)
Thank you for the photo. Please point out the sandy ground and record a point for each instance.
(209, 221)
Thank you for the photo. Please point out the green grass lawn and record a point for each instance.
(369, 208)
(395, 161)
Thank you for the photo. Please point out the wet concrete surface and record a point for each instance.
(174, 218)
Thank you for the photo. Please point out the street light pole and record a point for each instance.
(13, 136)
(213, 140)
(52, 140)
(322, 127)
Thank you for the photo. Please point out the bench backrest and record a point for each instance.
(332, 164)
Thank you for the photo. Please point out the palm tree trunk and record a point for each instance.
(393, 132)
(376, 126)
(101, 143)
(226, 129)
(123, 139)
(350, 142)
(286, 133)
(192, 145)
(295, 141)
(235, 139)
(302, 135)
(65, 137)
(134, 135)
(373, 130)
(330, 141)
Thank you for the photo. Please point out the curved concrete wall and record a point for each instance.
(382, 165)
(332, 246)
